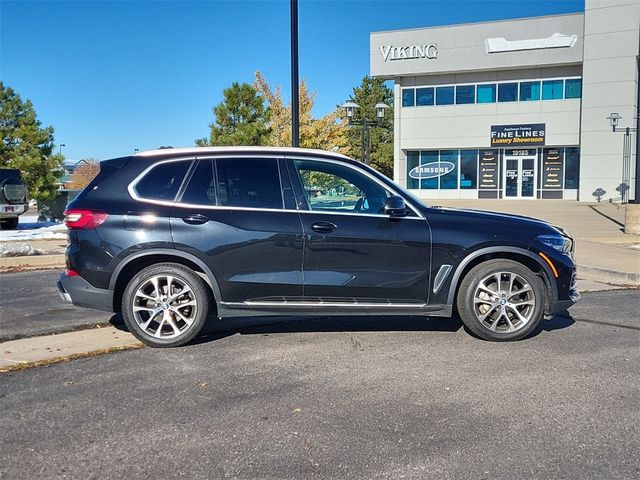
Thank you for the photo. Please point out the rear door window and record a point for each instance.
(249, 182)
(162, 181)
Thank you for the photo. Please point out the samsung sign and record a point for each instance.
(411, 52)
(431, 170)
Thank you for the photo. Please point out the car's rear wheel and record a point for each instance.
(165, 305)
(501, 300)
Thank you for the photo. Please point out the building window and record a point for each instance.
(571, 167)
(408, 95)
(444, 95)
(487, 93)
(552, 89)
(465, 94)
(413, 161)
(573, 88)
(449, 181)
(424, 96)
(468, 169)
(427, 157)
(529, 91)
(507, 92)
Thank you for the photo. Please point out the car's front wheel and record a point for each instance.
(165, 305)
(501, 300)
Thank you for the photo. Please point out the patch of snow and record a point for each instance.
(29, 228)
(635, 247)
(18, 250)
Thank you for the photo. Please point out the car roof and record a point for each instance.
(170, 151)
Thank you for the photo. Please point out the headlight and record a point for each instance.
(560, 243)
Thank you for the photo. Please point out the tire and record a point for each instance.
(9, 224)
(153, 317)
(512, 311)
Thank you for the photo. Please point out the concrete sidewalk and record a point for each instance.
(603, 251)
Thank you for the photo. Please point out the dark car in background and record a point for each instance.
(171, 236)
(13, 198)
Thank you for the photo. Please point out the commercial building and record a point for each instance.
(517, 108)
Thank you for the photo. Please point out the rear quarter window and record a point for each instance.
(162, 181)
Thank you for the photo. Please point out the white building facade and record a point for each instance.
(515, 109)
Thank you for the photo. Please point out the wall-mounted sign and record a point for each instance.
(518, 135)
(431, 170)
(411, 52)
(552, 169)
(488, 170)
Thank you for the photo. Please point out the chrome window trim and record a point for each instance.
(208, 156)
(366, 173)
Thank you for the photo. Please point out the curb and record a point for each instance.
(33, 261)
(47, 349)
(604, 275)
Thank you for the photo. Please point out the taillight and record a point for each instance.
(83, 219)
(72, 273)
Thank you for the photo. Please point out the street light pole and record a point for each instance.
(614, 118)
(365, 134)
(295, 102)
(61, 145)
(632, 212)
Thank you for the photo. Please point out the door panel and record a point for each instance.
(366, 259)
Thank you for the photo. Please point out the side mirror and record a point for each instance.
(394, 206)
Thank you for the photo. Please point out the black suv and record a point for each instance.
(169, 236)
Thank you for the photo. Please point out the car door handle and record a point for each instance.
(323, 227)
(195, 219)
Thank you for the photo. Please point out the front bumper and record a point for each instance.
(81, 293)
(557, 306)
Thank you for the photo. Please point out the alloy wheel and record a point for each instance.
(504, 302)
(164, 306)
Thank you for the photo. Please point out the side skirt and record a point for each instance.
(308, 309)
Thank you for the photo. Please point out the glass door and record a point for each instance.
(519, 175)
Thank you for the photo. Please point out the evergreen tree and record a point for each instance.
(27, 146)
(370, 92)
(240, 119)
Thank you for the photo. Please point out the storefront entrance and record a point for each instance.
(520, 173)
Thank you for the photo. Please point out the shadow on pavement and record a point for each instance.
(216, 329)
(593, 207)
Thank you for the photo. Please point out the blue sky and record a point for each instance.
(114, 76)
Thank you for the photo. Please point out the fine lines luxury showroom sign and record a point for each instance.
(532, 135)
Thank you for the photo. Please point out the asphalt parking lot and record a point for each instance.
(342, 398)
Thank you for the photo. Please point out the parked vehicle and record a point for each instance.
(13, 198)
(169, 237)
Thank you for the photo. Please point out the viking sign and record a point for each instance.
(391, 52)
(431, 170)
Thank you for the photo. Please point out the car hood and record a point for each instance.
(489, 216)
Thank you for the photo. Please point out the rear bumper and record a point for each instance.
(81, 293)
